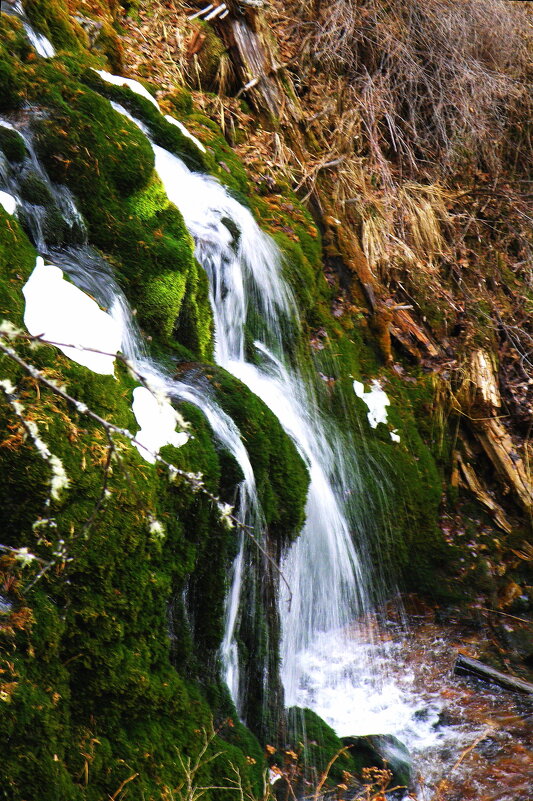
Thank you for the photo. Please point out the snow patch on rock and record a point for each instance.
(8, 202)
(157, 420)
(62, 314)
(135, 86)
(185, 132)
(377, 402)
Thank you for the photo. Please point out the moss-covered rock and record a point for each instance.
(88, 683)
(34, 190)
(12, 145)
(317, 745)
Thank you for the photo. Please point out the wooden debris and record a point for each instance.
(411, 335)
(479, 400)
(503, 454)
(466, 477)
(466, 666)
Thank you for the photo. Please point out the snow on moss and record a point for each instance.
(377, 402)
(135, 86)
(156, 528)
(59, 480)
(8, 202)
(157, 420)
(62, 314)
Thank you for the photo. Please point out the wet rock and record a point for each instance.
(383, 751)
(491, 748)
(520, 641)
(447, 718)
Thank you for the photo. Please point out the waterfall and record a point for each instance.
(322, 568)
(42, 45)
(247, 290)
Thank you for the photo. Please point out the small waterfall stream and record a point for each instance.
(42, 45)
(322, 567)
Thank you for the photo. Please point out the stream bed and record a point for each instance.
(468, 740)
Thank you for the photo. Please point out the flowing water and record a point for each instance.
(322, 569)
(329, 663)
(42, 45)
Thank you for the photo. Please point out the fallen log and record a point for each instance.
(466, 666)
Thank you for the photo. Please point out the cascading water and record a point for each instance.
(42, 45)
(322, 568)
(323, 660)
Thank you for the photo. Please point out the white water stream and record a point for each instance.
(41, 44)
(322, 568)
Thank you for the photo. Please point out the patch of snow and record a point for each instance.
(376, 401)
(24, 556)
(274, 775)
(185, 132)
(394, 435)
(9, 329)
(62, 314)
(157, 420)
(135, 86)
(59, 480)
(156, 528)
(8, 202)
(7, 386)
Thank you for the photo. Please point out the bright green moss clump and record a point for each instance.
(52, 18)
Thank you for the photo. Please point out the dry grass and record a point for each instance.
(435, 82)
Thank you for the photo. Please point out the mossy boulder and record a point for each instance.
(12, 144)
(89, 680)
(383, 751)
(317, 745)
(34, 190)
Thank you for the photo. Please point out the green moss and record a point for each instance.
(52, 18)
(164, 133)
(10, 88)
(17, 259)
(281, 476)
(108, 164)
(209, 55)
(181, 101)
(34, 190)
(150, 200)
(316, 743)
(12, 144)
